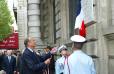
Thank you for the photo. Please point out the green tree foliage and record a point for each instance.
(5, 20)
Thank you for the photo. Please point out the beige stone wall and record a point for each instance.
(22, 22)
(49, 23)
(28, 20)
(34, 22)
(103, 30)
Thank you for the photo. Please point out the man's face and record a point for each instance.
(0, 52)
(9, 52)
(32, 43)
(64, 52)
(46, 49)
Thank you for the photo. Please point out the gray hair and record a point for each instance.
(26, 42)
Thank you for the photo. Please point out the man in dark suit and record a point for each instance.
(31, 62)
(1, 59)
(9, 63)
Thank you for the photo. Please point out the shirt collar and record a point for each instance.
(9, 55)
(30, 49)
(63, 56)
(77, 51)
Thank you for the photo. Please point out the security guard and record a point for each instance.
(78, 62)
(59, 65)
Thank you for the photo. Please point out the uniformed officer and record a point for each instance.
(78, 62)
(59, 65)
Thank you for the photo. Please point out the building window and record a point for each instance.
(44, 21)
(72, 15)
(57, 21)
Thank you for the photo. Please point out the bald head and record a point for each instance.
(30, 42)
(9, 52)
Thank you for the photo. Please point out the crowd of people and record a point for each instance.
(31, 62)
(9, 61)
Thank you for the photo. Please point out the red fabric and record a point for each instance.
(10, 42)
(68, 66)
(82, 30)
(65, 60)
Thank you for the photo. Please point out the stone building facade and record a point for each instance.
(51, 22)
(28, 20)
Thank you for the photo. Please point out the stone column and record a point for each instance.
(34, 21)
(22, 22)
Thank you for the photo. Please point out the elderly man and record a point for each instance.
(1, 59)
(9, 63)
(59, 66)
(31, 62)
(78, 62)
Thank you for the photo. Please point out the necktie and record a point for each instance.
(9, 58)
(66, 62)
(68, 66)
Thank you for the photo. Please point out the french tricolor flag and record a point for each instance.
(79, 22)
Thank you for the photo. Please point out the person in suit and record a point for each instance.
(1, 59)
(79, 62)
(9, 63)
(18, 62)
(31, 62)
(51, 67)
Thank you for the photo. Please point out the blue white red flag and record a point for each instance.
(79, 22)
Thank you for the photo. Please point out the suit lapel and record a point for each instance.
(32, 55)
(7, 60)
(11, 59)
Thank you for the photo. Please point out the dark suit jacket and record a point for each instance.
(32, 63)
(1, 61)
(9, 67)
(19, 63)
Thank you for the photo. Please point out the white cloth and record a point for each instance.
(59, 65)
(30, 49)
(9, 58)
(62, 47)
(2, 72)
(79, 63)
(77, 38)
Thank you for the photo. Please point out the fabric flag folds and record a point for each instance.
(79, 22)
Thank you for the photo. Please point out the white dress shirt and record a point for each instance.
(30, 49)
(59, 65)
(9, 58)
(79, 63)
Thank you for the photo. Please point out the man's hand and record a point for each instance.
(17, 72)
(47, 61)
(3, 72)
(54, 50)
(14, 72)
